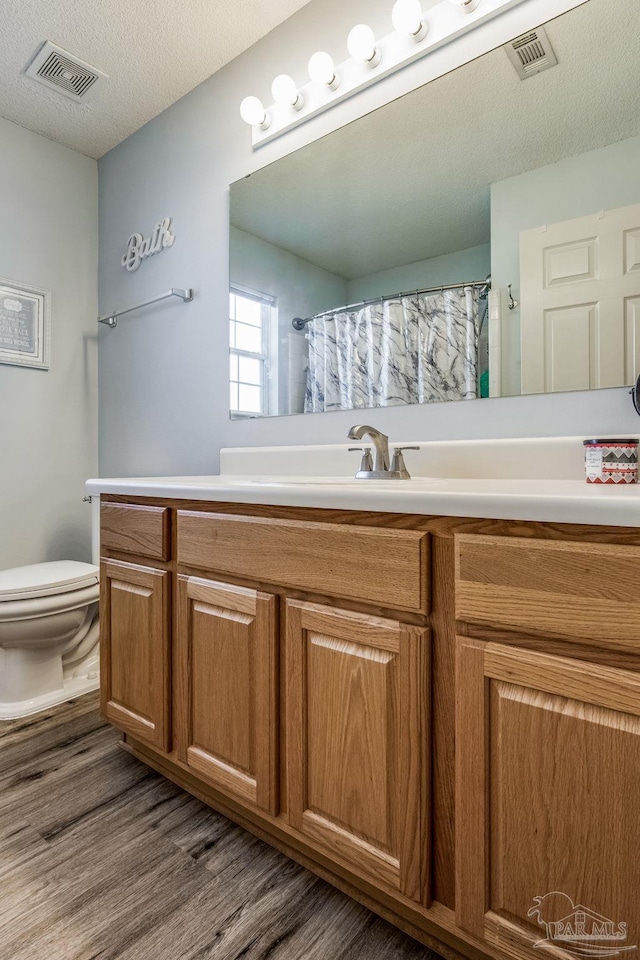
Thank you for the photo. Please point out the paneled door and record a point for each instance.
(357, 741)
(135, 650)
(227, 688)
(580, 302)
(547, 786)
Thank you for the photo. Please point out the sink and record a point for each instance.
(265, 481)
(268, 481)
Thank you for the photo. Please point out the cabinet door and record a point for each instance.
(357, 741)
(547, 780)
(227, 716)
(135, 650)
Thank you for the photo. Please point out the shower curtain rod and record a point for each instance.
(299, 324)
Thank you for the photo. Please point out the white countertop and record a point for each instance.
(515, 479)
(558, 501)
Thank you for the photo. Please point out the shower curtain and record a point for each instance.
(412, 349)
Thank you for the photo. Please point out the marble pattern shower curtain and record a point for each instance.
(412, 349)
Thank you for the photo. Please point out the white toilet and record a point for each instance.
(49, 635)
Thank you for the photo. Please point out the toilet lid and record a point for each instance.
(45, 579)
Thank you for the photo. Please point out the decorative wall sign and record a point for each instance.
(139, 247)
(24, 325)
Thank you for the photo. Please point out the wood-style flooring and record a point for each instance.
(103, 859)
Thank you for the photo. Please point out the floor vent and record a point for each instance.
(531, 53)
(60, 71)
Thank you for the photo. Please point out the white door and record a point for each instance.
(580, 302)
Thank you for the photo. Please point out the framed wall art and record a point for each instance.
(25, 325)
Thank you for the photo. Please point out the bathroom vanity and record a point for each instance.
(427, 692)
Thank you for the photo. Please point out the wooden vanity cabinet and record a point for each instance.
(352, 688)
(135, 650)
(587, 592)
(137, 529)
(354, 685)
(135, 628)
(548, 773)
(440, 716)
(357, 707)
(548, 744)
(226, 688)
(343, 560)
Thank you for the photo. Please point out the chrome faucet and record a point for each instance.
(380, 444)
(379, 468)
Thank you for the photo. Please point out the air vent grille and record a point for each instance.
(531, 53)
(60, 71)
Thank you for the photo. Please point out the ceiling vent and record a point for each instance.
(531, 53)
(60, 71)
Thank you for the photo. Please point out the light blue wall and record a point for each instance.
(163, 373)
(300, 287)
(471, 264)
(49, 418)
(598, 180)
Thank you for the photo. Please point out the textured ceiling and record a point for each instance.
(155, 51)
(411, 180)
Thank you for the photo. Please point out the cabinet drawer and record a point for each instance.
(588, 591)
(384, 567)
(129, 528)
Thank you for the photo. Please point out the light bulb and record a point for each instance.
(406, 17)
(286, 93)
(253, 113)
(361, 44)
(465, 5)
(322, 70)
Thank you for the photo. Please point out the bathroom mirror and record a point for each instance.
(381, 235)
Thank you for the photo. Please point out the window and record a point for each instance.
(249, 328)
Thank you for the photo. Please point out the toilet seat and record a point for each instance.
(30, 608)
(46, 579)
(49, 635)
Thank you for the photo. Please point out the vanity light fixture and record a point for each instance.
(361, 44)
(253, 113)
(322, 70)
(286, 93)
(407, 19)
(415, 35)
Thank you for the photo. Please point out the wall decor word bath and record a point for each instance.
(24, 325)
(139, 247)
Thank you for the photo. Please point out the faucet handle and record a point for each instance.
(366, 464)
(398, 465)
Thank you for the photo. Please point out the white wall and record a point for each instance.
(48, 418)
(474, 263)
(163, 372)
(598, 180)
